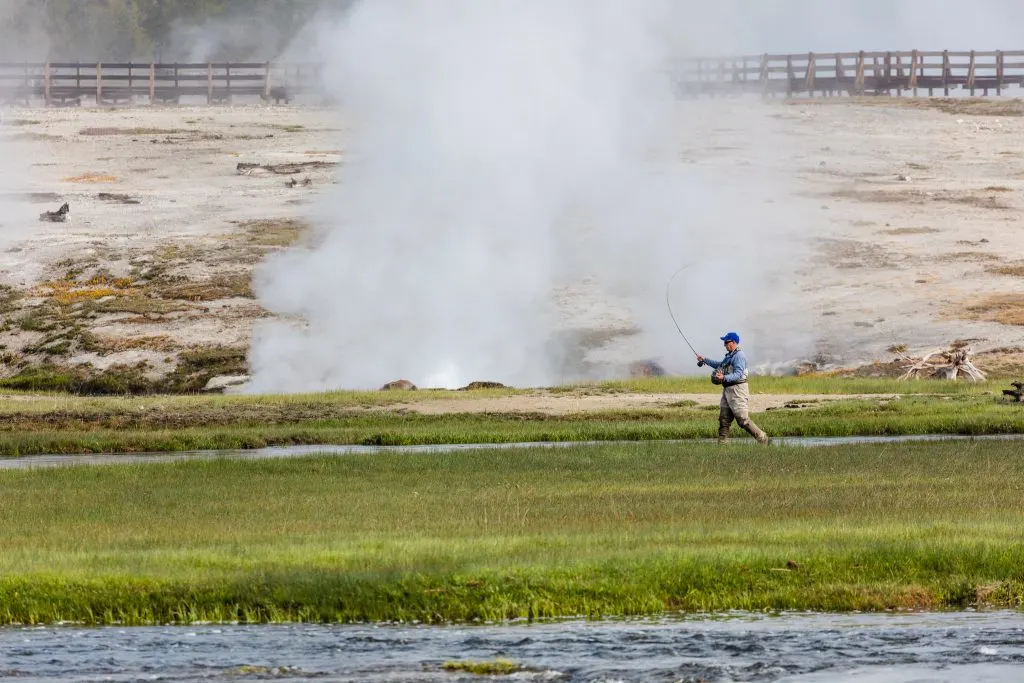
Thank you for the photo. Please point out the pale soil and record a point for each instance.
(915, 229)
(551, 404)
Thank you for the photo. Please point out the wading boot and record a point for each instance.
(723, 434)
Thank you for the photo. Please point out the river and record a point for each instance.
(861, 648)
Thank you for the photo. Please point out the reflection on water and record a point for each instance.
(918, 648)
(34, 461)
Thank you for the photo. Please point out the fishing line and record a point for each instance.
(668, 303)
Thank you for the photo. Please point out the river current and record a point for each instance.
(877, 648)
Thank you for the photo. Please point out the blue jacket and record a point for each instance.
(733, 366)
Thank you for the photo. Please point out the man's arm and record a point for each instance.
(739, 368)
(712, 363)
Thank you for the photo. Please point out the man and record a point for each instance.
(731, 373)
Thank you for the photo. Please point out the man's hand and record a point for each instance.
(700, 360)
(719, 376)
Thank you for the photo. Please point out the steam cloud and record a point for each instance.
(508, 160)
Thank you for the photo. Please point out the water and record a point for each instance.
(34, 461)
(918, 648)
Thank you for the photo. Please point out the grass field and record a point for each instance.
(131, 425)
(807, 384)
(598, 531)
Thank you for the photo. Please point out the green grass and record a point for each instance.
(211, 424)
(805, 384)
(491, 535)
(498, 667)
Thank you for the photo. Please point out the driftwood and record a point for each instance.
(1017, 393)
(119, 198)
(58, 216)
(940, 363)
(247, 168)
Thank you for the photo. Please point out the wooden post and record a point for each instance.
(227, 78)
(46, 84)
(945, 72)
(790, 76)
(764, 75)
(78, 79)
(266, 84)
(860, 73)
(999, 72)
(810, 73)
(913, 72)
(152, 82)
(209, 83)
(888, 72)
(840, 75)
(99, 83)
(970, 74)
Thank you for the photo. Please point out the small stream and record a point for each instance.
(33, 461)
(861, 648)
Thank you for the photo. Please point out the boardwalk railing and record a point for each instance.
(854, 73)
(69, 82)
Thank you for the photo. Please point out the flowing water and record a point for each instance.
(891, 648)
(33, 461)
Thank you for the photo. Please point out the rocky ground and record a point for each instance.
(149, 278)
(917, 233)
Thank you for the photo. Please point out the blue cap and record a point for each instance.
(731, 337)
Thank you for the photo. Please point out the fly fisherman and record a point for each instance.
(731, 373)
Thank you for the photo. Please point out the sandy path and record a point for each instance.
(555, 404)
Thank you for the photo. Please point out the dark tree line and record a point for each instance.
(162, 30)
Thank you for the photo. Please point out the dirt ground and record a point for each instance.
(920, 237)
(551, 404)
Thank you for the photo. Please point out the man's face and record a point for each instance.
(730, 346)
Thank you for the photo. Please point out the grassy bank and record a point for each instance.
(179, 425)
(697, 384)
(807, 384)
(613, 530)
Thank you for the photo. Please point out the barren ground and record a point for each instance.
(920, 238)
(553, 404)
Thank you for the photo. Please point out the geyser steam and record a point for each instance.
(499, 152)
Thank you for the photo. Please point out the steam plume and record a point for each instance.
(502, 153)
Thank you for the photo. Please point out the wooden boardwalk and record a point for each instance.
(67, 83)
(854, 73)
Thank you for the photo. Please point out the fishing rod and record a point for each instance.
(668, 303)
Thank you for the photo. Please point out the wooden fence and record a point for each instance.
(63, 83)
(854, 73)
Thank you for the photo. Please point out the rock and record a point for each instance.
(222, 382)
(399, 385)
(58, 216)
(646, 368)
(483, 385)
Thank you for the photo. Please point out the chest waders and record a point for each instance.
(735, 406)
